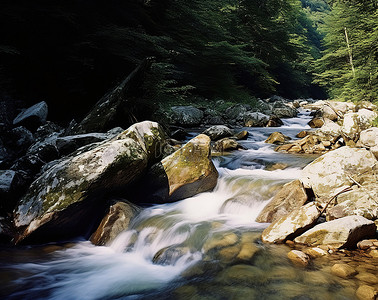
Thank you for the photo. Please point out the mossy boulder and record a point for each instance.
(185, 173)
(334, 169)
(151, 136)
(341, 233)
(290, 197)
(292, 225)
(63, 198)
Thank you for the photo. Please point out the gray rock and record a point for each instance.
(218, 132)
(274, 121)
(22, 138)
(7, 178)
(33, 117)
(68, 144)
(255, 119)
(186, 116)
(236, 112)
(341, 233)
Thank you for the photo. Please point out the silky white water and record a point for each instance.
(126, 269)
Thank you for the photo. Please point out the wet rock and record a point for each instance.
(366, 292)
(186, 116)
(248, 247)
(298, 257)
(316, 122)
(6, 232)
(330, 171)
(302, 134)
(227, 144)
(213, 117)
(218, 132)
(242, 135)
(170, 255)
(277, 138)
(7, 178)
(183, 174)
(315, 252)
(241, 274)
(291, 225)
(367, 277)
(255, 119)
(274, 121)
(291, 196)
(45, 149)
(46, 130)
(74, 187)
(151, 136)
(276, 166)
(69, 144)
(116, 220)
(263, 107)
(366, 244)
(340, 233)
(343, 270)
(220, 240)
(33, 117)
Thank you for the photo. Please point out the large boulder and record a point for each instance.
(255, 119)
(32, 117)
(333, 170)
(151, 136)
(291, 225)
(236, 111)
(186, 116)
(66, 199)
(284, 111)
(291, 196)
(183, 174)
(227, 144)
(116, 220)
(218, 132)
(340, 233)
(354, 123)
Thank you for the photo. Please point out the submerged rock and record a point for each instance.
(291, 225)
(183, 174)
(291, 196)
(340, 233)
(114, 222)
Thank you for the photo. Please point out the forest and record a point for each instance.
(70, 53)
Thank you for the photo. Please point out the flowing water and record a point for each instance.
(165, 254)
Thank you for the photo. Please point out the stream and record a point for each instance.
(132, 267)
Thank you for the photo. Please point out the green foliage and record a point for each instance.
(359, 21)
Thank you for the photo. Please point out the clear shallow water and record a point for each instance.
(125, 269)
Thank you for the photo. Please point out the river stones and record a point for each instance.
(298, 257)
(218, 132)
(242, 135)
(344, 232)
(290, 197)
(277, 138)
(366, 292)
(255, 119)
(116, 220)
(183, 174)
(227, 144)
(316, 122)
(329, 172)
(291, 225)
(343, 270)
